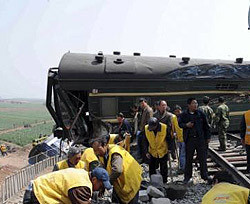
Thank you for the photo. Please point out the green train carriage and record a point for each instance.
(87, 90)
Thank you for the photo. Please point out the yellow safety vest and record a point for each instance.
(64, 165)
(177, 129)
(158, 147)
(226, 193)
(52, 188)
(112, 138)
(3, 148)
(124, 143)
(88, 156)
(129, 182)
(247, 135)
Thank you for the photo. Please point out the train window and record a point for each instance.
(109, 107)
(227, 86)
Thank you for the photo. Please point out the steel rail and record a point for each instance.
(237, 175)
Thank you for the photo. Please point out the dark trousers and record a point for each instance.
(248, 158)
(153, 162)
(200, 146)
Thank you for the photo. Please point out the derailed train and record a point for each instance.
(86, 91)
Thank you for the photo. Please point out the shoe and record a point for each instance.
(180, 171)
(188, 181)
(209, 180)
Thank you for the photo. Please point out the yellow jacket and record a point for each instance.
(177, 129)
(158, 147)
(129, 182)
(124, 143)
(52, 188)
(64, 165)
(88, 156)
(3, 148)
(247, 135)
(226, 193)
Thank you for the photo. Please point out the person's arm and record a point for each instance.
(182, 121)
(217, 116)
(80, 195)
(116, 166)
(206, 127)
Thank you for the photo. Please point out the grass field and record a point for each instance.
(15, 115)
(25, 136)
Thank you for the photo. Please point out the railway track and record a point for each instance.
(232, 160)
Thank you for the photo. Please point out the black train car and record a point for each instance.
(87, 90)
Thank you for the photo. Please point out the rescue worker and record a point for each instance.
(196, 135)
(181, 144)
(207, 110)
(224, 191)
(157, 138)
(123, 124)
(124, 171)
(146, 113)
(68, 186)
(122, 139)
(167, 118)
(3, 150)
(222, 122)
(245, 135)
(90, 159)
(73, 161)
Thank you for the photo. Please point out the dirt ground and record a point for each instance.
(16, 159)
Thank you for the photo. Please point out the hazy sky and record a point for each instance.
(34, 34)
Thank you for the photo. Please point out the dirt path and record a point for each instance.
(22, 127)
(14, 161)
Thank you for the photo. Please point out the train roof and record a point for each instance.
(78, 66)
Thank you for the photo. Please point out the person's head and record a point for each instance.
(99, 146)
(162, 106)
(100, 179)
(74, 155)
(192, 104)
(177, 110)
(206, 100)
(221, 99)
(153, 124)
(143, 102)
(222, 176)
(120, 117)
(135, 108)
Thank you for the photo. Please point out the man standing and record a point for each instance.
(124, 171)
(156, 134)
(68, 186)
(207, 110)
(222, 122)
(181, 144)
(196, 135)
(245, 135)
(167, 118)
(146, 113)
(73, 161)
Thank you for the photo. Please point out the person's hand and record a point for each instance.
(148, 155)
(190, 124)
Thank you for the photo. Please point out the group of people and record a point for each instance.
(108, 164)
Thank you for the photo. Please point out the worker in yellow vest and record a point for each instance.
(122, 139)
(158, 144)
(224, 191)
(124, 171)
(3, 150)
(90, 159)
(245, 135)
(73, 161)
(67, 186)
